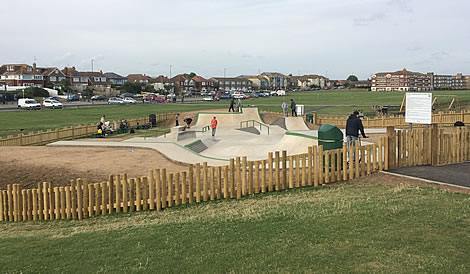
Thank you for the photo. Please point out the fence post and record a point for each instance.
(391, 147)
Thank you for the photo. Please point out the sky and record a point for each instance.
(334, 38)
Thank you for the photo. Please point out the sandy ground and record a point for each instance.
(32, 165)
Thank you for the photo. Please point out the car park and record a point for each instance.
(27, 103)
(225, 96)
(116, 101)
(49, 103)
(129, 100)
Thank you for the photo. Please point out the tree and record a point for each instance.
(352, 78)
(64, 85)
(148, 88)
(34, 92)
(133, 88)
(192, 74)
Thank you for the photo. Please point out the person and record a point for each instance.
(284, 108)
(239, 105)
(232, 102)
(353, 126)
(293, 107)
(177, 119)
(100, 129)
(188, 122)
(213, 126)
(102, 119)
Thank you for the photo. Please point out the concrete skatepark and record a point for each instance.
(238, 134)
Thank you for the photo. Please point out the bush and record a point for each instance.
(34, 92)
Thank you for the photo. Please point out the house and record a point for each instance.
(76, 79)
(308, 81)
(233, 83)
(21, 75)
(96, 79)
(202, 84)
(401, 80)
(139, 78)
(273, 80)
(181, 83)
(161, 83)
(53, 77)
(115, 79)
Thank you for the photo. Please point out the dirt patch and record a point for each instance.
(32, 165)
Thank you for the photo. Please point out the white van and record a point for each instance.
(28, 103)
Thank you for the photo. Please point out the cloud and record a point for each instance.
(365, 21)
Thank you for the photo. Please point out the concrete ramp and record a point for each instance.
(228, 119)
(295, 123)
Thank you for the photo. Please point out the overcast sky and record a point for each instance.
(328, 37)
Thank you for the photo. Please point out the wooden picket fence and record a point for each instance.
(200, 183)
(431, 146)
(48, 136)
(442, 119)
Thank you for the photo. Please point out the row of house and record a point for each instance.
(405, 80)
(25, 75)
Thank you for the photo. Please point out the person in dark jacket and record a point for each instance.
(353, 126)
(293, 107)
(232, 102)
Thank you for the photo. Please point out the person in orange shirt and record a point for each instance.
(213, 126)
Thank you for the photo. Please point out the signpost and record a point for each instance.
(418, 108)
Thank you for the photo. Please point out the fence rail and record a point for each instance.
(199, 183)
(245, 124)
(48, 136)
(442, 119)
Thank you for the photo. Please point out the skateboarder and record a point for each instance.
(213, 126)
(188, 122)
(293, 107)
(177, 119)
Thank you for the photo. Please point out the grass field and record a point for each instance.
(12, 121)
(342, 228)
(344, 102)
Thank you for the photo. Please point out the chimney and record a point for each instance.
(34, 66)
(101, 71)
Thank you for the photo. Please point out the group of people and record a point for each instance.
(104, 128)
(293, 108)
(232, 104)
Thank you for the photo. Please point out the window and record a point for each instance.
(76, 79)
(53, 78)
(56, 71)
(61, 78)
(29, 69)
(11, 68)
(103, 79)
(84, 79)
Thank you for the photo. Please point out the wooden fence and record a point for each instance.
(48, 136)
(200, 183)
(442, 119)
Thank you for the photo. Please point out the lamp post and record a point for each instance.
(92, 60)
(170, 71)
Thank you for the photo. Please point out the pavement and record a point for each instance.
(453, 174)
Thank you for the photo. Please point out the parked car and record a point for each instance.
(28, 103)
(225, 96)
(98, 97)
(54, 98)
(208, 99)
(130, 100)
(116, 101)
(261, 94)
(49, 103)
(124, 95)
(74, 97)
(239, 95)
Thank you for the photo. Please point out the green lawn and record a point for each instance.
(12, 121)
(344, 102)
(340, 228)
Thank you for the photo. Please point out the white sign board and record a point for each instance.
(418, 108)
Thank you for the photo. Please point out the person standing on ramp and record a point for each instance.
(232, 102)
(293, 107)
(213, 126)
(177, 119)
(284, 109)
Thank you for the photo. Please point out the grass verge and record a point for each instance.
(367, 227)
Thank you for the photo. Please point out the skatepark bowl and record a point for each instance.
(238, 134)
